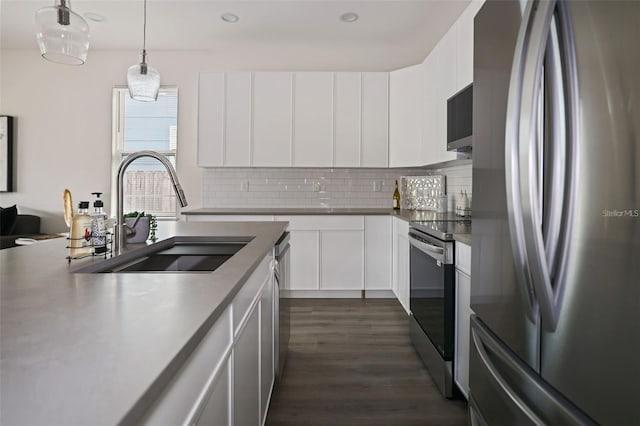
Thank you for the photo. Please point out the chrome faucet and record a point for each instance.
(120, 228)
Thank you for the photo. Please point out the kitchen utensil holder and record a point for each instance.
(105, 255)
(463, 211)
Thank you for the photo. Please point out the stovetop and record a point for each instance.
(443, 229)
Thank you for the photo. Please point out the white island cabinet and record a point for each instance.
(228, 378)
(463, 315)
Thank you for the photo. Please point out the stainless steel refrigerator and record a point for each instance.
(556, 199)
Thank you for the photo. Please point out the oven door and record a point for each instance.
(431, 293)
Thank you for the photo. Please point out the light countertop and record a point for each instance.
(407, 215)
(95, 349)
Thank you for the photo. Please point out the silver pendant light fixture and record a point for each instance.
(143, 81)
(63, 35)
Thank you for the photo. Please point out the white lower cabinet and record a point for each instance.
(216, 410)
(341, 260)
(463, 315)
(377, 254)
(246, 373)
(401, 269)
(228, 378)
(267, 367)
(338, 256)
(305, 260)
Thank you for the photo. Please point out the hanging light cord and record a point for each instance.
(143, 64)
(144, 27)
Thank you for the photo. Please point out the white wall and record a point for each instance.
(63, 117)
(63, 120)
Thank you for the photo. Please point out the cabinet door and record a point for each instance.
(395, 222)
(375, 119)
(272, 119)
(405, 116)
(246, 373)
(447, 87)
(304, 260)
(266, 347)
(313, 119)
(216, 410)
(237, 141)
(462, 332)
(377, 252)
(430, 130)
(403, 271)
(465, 44)
(211, 89)
(347, 119)
(341, 260)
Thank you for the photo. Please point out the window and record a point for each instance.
(145, 126)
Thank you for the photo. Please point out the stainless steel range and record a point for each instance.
(432, 295)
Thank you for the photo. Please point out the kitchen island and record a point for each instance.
(104, 348)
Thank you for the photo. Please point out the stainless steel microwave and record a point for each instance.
(460, 120)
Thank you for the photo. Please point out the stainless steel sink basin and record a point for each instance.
(175, 255)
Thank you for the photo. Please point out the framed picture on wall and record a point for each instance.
(6, 153)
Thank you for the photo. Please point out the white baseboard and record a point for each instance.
(337, 294)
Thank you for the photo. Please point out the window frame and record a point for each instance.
(118, 154)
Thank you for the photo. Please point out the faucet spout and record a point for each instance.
(120, 234)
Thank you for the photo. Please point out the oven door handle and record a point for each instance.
(428, 249)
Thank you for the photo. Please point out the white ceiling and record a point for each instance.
(391, 33)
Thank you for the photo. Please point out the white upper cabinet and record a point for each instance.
(430, 130)
(302, 119)
(211, 119)
(465, 43)
(405, 116)
(375, 120)
(347, 90)
(313, 119)
(418, 105)
(272, 119)
(237, 142)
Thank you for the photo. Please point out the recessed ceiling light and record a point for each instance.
(229, 17)
(95, 17)
(349, 17)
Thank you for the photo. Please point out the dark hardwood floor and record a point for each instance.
(351, 362)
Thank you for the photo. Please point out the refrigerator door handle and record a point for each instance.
(534, 399)
(542, 258)
(479, 344)
(512, 167)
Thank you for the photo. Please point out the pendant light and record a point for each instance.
(63, 35)
(143, 80)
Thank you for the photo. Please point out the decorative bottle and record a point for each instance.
(396, 197)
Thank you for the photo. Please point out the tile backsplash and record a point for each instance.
(318, 187)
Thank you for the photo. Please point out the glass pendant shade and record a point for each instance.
(63, 35)
(143, 81)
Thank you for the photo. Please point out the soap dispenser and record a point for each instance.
(80, 232)
(98, 225)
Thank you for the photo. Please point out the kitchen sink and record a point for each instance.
(176, 255)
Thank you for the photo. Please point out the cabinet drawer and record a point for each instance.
(323, 223)
(463, 258)
(177, 402)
